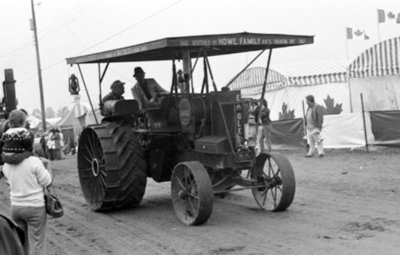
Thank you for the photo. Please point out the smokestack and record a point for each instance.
(9, 90)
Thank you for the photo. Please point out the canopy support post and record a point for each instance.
(100, 96)
(187, 67)
(101, 77)
(174, 87)
(193, 68)
(211, 74)
(266, 74)
(245, 68)
(205, 80)
(87, 93)
(104, 72)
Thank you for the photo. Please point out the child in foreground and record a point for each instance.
(27, 177)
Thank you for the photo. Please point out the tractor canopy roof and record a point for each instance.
(214, 45)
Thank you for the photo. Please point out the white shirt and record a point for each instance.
(310, 126)
(26, 181)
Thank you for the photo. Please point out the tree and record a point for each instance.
(37, 113)
(50, 113)
(62, 112)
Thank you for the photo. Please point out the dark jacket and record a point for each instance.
(317, 115)
(256, 113)
(264, 116)
(111, 96)
(12, 237)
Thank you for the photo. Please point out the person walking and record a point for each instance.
(27, 177)
(265, 127)
(314, 121)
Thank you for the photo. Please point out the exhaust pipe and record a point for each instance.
(9, 102)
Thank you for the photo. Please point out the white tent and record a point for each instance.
(376, 74)
(289, 84)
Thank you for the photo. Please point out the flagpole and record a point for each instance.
(381, 18)
(379, 32)
(347, 49)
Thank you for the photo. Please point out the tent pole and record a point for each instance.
(351, 99)
(365, 126)
(87, 93)
(304, 124)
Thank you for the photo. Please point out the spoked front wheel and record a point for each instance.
(191, 192)
(275, 180)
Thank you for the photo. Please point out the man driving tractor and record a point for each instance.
(117, 90)
(146, 91)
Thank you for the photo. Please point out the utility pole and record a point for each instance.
(34, 28)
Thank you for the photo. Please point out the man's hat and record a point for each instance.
(137, 70)
(116, 83)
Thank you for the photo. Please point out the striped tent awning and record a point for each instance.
(251, 81)
(313, 73)
(379, 60)
(281, 76)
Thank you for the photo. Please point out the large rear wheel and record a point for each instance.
(112, 167)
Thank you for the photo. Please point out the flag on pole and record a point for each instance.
(384, 16)
(366, 37)
(349, 33)
(381, 16)
(391, 15)
(352, 33)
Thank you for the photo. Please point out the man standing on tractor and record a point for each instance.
(117, 90)
(146, 91)
(314, 120)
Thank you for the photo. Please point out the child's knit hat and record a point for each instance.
(17, 140)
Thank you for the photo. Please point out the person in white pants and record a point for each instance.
(314, 121)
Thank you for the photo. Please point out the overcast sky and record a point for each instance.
(76, 27)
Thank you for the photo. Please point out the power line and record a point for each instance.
(65, 15)
(133, 25)
(106, 39)
(17, 49)
(46, 31)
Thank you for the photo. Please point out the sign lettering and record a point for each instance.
(245, 40)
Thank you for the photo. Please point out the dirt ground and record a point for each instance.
(345, 203)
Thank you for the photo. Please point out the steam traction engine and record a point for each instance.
(195, 140)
